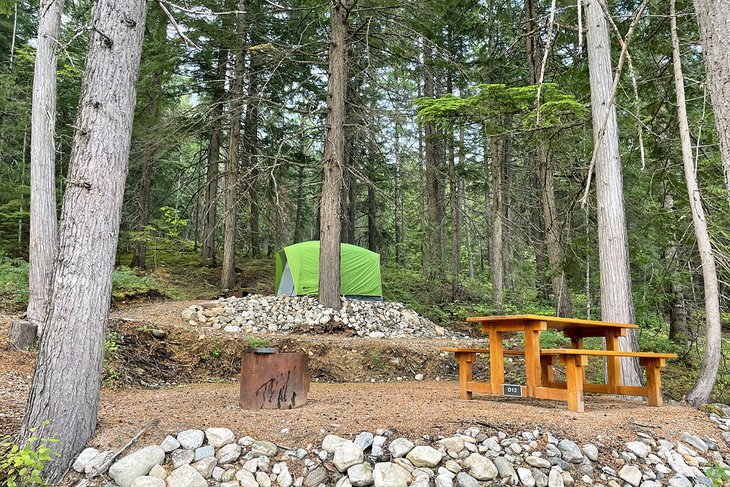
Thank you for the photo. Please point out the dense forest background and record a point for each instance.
(443, 143)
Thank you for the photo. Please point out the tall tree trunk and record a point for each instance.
(214, 148)
(372, 201)
(434, 184)
(702, 389)
(299, 214)
(713, 15)
(228, 275)
(616, 301)
(334, 159)
(64, 395)
(676, 305)
(43, 238)
(454, 195)
(497, 264)
(252, 142)
(398, 206)
(553, 235)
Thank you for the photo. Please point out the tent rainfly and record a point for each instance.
(297, 271)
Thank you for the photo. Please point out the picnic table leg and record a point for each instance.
(465, 361)
(574, 371)
(576, 341)
(496, 361)
(653, 382)
(546, 371)
(532, 359)
(613, 364)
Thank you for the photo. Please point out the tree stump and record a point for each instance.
(23, 335)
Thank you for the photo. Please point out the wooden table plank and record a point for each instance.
(553, 322)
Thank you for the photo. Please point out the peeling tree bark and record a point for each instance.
(67, 380)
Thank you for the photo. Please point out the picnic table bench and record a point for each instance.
(539, 363)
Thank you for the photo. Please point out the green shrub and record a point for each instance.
(23, 466)
(13, 283)
(127, 284)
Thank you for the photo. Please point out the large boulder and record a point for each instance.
(186, 476)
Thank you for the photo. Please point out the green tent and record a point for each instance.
(297, 271)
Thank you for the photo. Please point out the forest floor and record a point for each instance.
(189, 379)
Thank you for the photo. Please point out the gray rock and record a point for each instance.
(137, 464)
(217, 474)
(552, 450)
(630, 474)
(559, 462)
(361, 475)
(182, 457)
(443, 480)
(191, 439)
(186, 476)
(234, 483)
(679, 481)
(425, 456)
(454, 444)
(158, 471)
(420, 481)
(505, 469)
(537, 462)
(541, 480)
(387, 474)
(678, 464)
(204, 452)
(364, 440)
(480, 467)
(146, 481)
(205, 466)
(170, 444)
(229, 453)
(377, 446)
(264, 448)
(590, 451)
(570, 451)
(695, 441)
(638, 448)
(84, 458)
(555, 479)
(316, 477)
(526, 477)
(567, 478)
(284, 478)
(246, 478)
(650, 483)
(347, 455)
(262, 479)
(331, 442)
(94, 466)
(492, 444)
(405, 463)
(400, 447)
(465, 480)
(219, 437)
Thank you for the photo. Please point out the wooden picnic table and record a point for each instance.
(539, 363)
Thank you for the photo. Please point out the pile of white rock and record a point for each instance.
(469, 458)
(303, 314)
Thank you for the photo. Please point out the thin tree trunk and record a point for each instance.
(676, 305)
(43, 238)
(455, 180)
(713, 15)
(398, 217)
(228, 275)
(64, 395)
(211, 177)
(497, 263)
(299, 218)
(252, 142)
(702, 389)
(334, 159)
(434, 189)
(553, 235)
(372, 202)
(616, 300)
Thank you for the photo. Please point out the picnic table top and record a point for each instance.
(553, 322)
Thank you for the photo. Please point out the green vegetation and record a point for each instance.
(254, 342)
(22, 466)
(13, 283)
